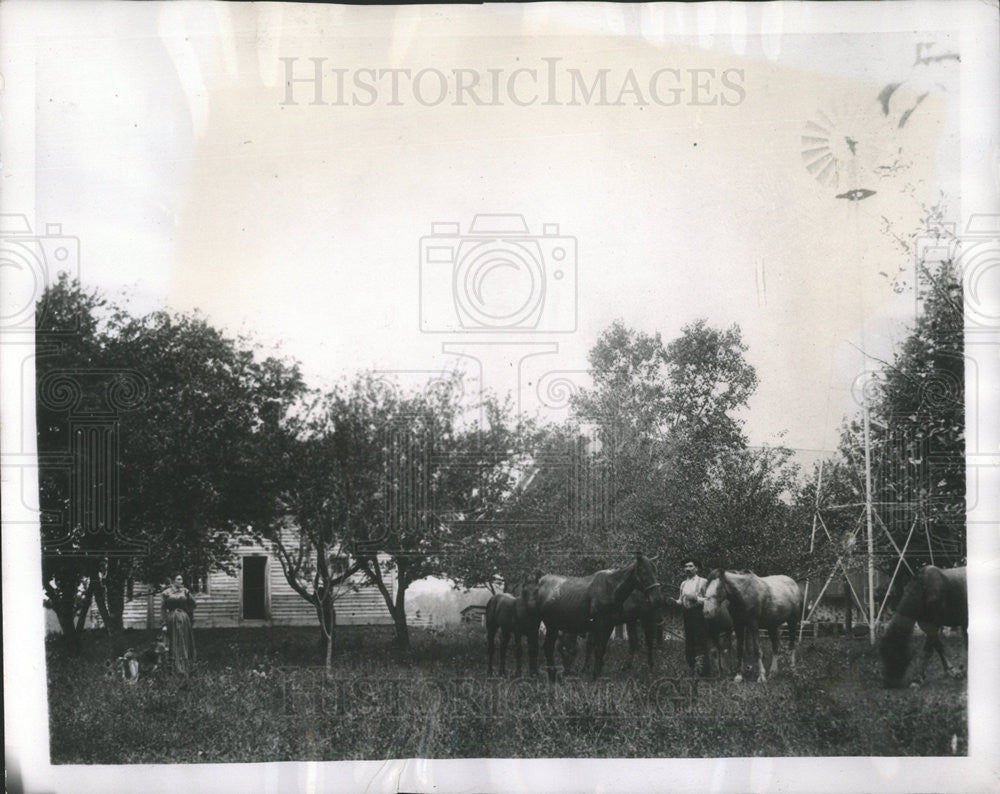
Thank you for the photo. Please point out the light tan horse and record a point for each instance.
(755, 602)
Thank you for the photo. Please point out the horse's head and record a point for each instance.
(646, 580)
(895, 652)
(529, 590)
(715, 593)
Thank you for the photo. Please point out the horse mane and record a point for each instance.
(731, 590)
(629, 571)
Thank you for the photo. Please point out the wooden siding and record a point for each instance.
(222, 605)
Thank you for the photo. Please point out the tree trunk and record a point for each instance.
(327, 628)
(66, 618)
(100, 596)
(62, 589)
(65, 610)
(397, 609)
(398, 612)
(329, 651)
(848, 609)
(115, 594)
(81, 618)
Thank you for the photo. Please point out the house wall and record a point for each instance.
(222, 605)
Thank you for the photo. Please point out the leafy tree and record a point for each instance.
(189, 444)
(550, 518)
(401, 479)
(68, 337)
(917, 434)
(194, 465)
(684, 481)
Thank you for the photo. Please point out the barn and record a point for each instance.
(257, 594)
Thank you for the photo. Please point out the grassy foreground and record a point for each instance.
(258, 696)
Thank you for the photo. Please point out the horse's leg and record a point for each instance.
(934, 638)
(793, 635)
(740, 640)
(756, 649)
(775, 638)
(713, 655)
(491, 642)
(551, 635)
(533, 649)
(649, 628)
(633, 641)
(571, 651)
(588, 656)
(504, 642)
(727, 647)
(517, 653)
(930, 640)
(602, 634)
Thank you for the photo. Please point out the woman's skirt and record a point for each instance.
(180, 639)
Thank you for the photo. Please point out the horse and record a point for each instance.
(755, 602)
(637, 611)
(934, 598)
(592, 605)
(515, 617)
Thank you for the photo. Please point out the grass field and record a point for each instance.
(257, 696)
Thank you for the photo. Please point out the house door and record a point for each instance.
(254, 588)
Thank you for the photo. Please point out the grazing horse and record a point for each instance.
(755, 602)
(515, 617)
(934, 598)
(592, 605)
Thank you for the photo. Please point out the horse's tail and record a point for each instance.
(492, 618)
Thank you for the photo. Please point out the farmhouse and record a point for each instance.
(258, 595)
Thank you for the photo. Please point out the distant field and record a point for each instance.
(257, 696)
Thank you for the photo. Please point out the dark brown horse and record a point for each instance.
(515, 617)
(936, 597)
(755, 602)
(592, 605)
(637, 611)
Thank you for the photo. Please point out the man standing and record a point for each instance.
(691, 601)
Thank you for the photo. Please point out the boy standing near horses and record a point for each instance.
(691, 601)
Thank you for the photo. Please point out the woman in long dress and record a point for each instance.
(178, 614)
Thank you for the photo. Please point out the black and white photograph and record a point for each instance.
(504, 398)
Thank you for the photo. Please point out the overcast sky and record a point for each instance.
(166, 143)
